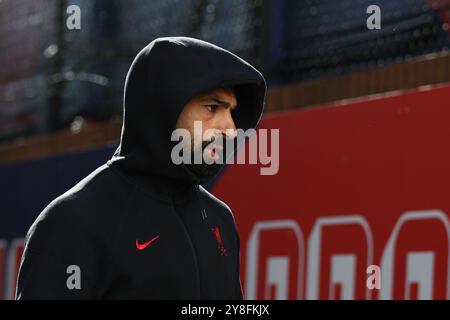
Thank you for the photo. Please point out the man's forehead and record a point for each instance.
(220, 92)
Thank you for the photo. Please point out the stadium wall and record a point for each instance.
(360, 183)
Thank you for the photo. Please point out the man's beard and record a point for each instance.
(205, 170)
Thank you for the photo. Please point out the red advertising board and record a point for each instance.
(361, 183)
(358, 184)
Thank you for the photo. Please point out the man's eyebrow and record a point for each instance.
(218, 101)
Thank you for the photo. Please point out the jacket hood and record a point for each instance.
(163, 77)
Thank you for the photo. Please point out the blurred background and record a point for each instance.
(51, 75)
(61, 93)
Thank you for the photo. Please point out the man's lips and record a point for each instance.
(213, 150)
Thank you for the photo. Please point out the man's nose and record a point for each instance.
(228, 128)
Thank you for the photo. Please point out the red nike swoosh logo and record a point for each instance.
(142, 246)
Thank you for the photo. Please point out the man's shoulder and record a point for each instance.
(92, 204)
(101, 187)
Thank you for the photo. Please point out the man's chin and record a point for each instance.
(204, 171)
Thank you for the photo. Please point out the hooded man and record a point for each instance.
(141, 226)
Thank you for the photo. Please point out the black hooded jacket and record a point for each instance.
(139, 226)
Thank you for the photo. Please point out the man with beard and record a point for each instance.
(141, 226)
(205, 127)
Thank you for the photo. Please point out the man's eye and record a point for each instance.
(211, 107)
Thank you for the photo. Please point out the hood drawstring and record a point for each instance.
(202, 206)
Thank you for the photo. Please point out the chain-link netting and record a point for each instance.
(50, 74)
(324, 37)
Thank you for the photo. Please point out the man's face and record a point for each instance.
(214, 109)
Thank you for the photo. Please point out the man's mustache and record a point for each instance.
(220, 140)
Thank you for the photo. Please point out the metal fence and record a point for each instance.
(50, 75)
